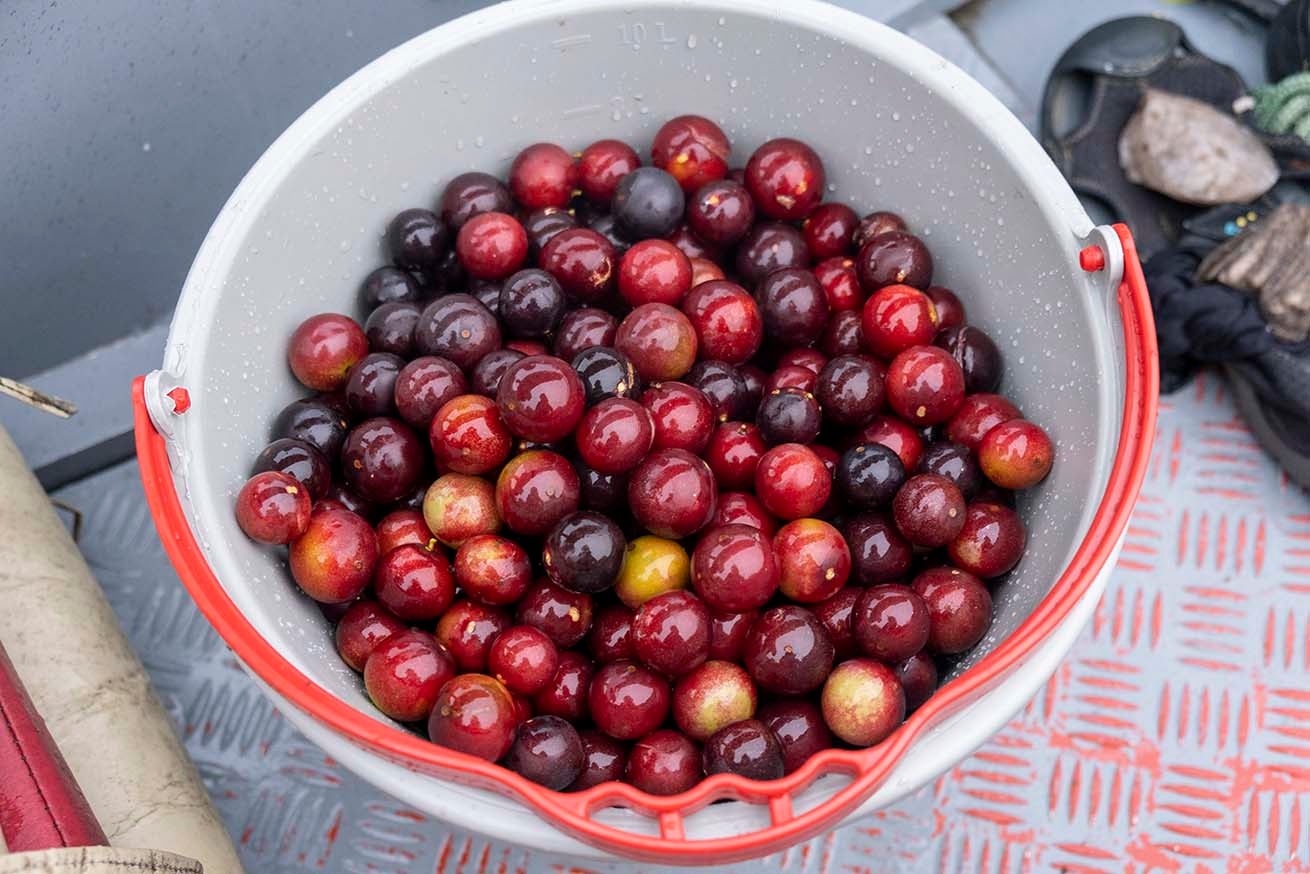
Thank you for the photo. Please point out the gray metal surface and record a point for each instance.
(125, 124)
(1173, 733)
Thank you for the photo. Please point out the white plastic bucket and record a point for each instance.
(898, 128)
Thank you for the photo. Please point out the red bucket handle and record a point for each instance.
(574, 813)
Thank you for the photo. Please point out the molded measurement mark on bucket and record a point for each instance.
(638, 33)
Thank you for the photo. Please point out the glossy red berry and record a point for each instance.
(492, 569)
(659, 340)
(734, 568)
(467, 630)
(792, 481)
(863, 702)
(364, 627)
(535, 490)
(583, 262)
(273, 507)
(414, 583)
(672, 493)
(333, 560)
(1016, 454)
(743, 508)
(733, 453)
(721, 212)
(682, 416)
(692, 149)
(890, 622)
(828, 230)
(615, 435)
(840, 284)
(405, 673)
(746, 748)
(458, 506)
(664, 763)
(492, 245)
(524, 659)
(541, 398)
(543, 175)
(467, 435)
(813, 558)
(324, 349)
(929, 510)
(726, 320)
(601, 166)
(628, 700)
(798, 725)
(654, 271)
(671, 633)
(925, 385)
(565, 695)
(788, 651)
(786, 178)
(959, 608)
(991, 541)
(474, 714)
(565, 616)
(895, 318)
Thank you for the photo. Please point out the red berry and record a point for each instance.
(672, 493)
(925, 385)
(524, 659)
(664, 763)
(273, 507)
(601, 166)
(474, 714)
(896, 436)
(814, 560)
(467, 630)
(990, 542)
(840, 284)
(792, 481)
(682, 415)
(414, 583)
(692, 149)
(492, 245)
(654, 271)
(959, 608)
(535, 490)
(726, 320)
(628, 700)
(734, 568)
(863, 702)
(333, 560)
(404, 674)
(671, 633)
(467, 435)
(543, 175)
(1016, 454)
(458, 506)
(615, 435)
(786, 178)
(897, 317)
(890, 622)
(541, 398)
(929, 510)
(659, 340)
(364, 627)
(324, 348)
(492, 569)
(828, 230)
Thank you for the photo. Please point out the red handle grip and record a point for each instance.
(574, 813)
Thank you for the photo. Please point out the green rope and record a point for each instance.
(1284, 107)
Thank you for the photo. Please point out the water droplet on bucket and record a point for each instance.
(691, 41)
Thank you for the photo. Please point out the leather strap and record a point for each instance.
(41, 806)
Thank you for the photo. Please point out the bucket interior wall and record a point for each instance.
(302, 239)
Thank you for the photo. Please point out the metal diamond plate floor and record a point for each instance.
(1176, 736)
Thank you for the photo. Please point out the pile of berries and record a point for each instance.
(648, 473)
